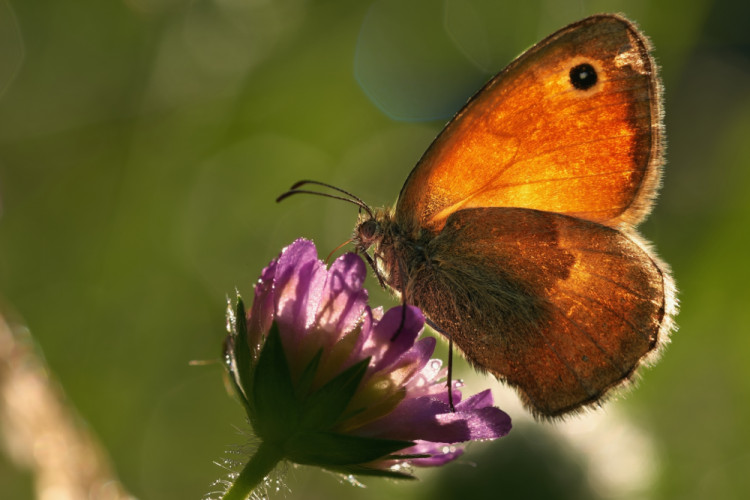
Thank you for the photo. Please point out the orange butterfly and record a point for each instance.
(515, 231)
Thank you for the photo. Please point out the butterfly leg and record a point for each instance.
(450, 374)
(403, 303)
(449, 382)
(374, 267)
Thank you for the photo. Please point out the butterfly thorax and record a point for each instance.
(392, 248)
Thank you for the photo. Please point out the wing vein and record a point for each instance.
(608, 356)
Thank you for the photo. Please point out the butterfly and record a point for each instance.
(515, 232)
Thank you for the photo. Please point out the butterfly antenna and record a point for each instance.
(326, 195)
(328, 259)
(356, 200)
(329, 186)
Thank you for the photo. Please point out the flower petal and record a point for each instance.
(479, 400)
(363, 338)
(440, 453)
(416, 359)
(260, 315)
(430, 419)
(344, 299)
(393, 335)
(406, 371)
(483, 423)
(298, 287)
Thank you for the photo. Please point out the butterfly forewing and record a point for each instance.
(572, 126)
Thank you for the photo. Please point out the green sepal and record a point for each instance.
(324, 407)
(363, 470)
(242, 356)
(236, 352)
(276, 409)
(308, 375)
(332, 449)
(409, 456)
(233, 376)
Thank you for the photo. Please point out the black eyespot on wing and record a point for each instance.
(583, 76)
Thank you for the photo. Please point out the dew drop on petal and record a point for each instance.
(432, 370)
(231, 319)
(404, 467)
(353, 481)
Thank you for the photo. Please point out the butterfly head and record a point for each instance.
(372, 223)
(376, 236)
(367, 232)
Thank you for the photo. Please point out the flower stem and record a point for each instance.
(259, 466)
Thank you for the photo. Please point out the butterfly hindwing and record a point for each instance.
(559, 307)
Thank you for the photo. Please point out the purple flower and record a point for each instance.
(328, 381)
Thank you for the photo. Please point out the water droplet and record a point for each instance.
(352, 480)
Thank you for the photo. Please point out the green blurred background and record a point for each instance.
(142, 143)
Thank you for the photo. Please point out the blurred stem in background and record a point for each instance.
(41, 432)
